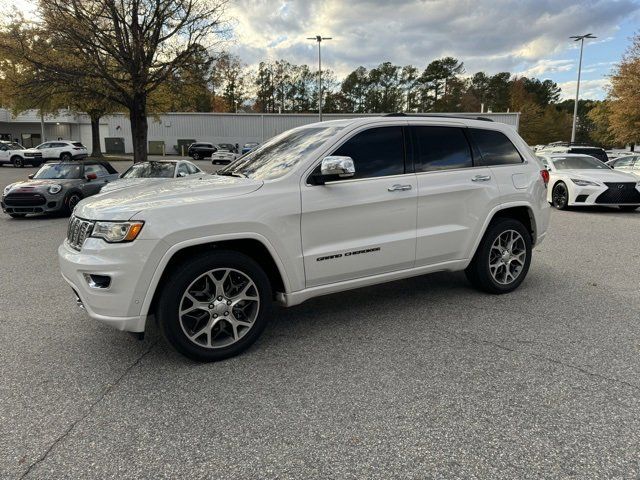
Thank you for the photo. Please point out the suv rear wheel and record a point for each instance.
(66, 156)
(502, 259)
(215, 306)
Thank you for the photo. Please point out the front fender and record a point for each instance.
(173, 249)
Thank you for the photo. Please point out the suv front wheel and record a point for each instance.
(215, 305)
(502, 259)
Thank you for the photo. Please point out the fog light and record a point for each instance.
(97, 281)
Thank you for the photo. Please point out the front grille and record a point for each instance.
(78, 231)
(619, 193)
(33, 154)
(24, 200)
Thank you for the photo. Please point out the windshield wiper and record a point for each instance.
(231, 174)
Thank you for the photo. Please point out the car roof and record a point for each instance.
(104, 163)
(395, 119)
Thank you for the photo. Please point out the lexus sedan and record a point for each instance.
(581, 180)
(56, 187)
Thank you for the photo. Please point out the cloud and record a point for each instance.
(489, 35)
(593, 89)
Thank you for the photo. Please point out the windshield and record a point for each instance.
(150, 170)
(578, 163)
(14, 146)
(276, 157)
(58, 171)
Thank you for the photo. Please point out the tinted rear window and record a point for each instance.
(78, 144)
(441, 148)
(495, 148)
(598, 153)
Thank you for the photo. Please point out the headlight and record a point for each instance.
(55, 189)
(584, 183)
(6, 189)
(114, 232)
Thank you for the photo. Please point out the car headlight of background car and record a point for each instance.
(53, 189)
(585, 183)
(115, 232)
(6, 189)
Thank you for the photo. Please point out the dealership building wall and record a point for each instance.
(169, 128)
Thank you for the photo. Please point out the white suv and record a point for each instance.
(316, 210)
(60, 149)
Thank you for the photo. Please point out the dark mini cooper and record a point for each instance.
(56, 187)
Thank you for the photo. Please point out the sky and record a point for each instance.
(523, 37)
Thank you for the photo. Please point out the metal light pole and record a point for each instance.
(319, 38)
(577, 38)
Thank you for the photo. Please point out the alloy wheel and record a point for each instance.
(560, 196)
(219, 308)
(507, 257)
(73, 201)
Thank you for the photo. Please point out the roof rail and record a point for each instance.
(433, 115)
(569, 144)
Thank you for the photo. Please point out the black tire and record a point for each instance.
(196, 156)
(65, 157)
(628, 208)
(173, 290)
(560, 196)
(70, 202)
(18, 162)
(478, 272)
(17, 215)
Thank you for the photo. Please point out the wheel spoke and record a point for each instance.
(229, 312)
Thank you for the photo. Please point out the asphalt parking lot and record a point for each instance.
(422, 378)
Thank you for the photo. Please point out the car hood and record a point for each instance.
(123, 204)
(599, 175)
(130, 182)
(41, 183)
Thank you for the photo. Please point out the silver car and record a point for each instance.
(152, 171)
(56, 187)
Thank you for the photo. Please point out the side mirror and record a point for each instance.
(90, 176)
(30, 176)
(332, 165)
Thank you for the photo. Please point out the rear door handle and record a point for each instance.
(399, 188)
(481, 178)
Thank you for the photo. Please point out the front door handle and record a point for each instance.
(481, 178)
(399, 188)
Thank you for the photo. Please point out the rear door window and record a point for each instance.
(441, 148)
(377, 152)
(495, 148)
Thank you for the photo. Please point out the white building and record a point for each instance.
(169, 130)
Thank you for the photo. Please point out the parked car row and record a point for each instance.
(219, 153)
(58, 186)
(12, 153)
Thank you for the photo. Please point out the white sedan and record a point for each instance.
(581, 180)
(627, 163)
(145, 173)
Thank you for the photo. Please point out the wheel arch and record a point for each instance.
(517, 211)
(257, 249)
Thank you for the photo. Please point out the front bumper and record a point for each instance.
(606, 195)
(32, 202)
(120, 304)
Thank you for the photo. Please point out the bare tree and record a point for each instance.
(127, 48)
